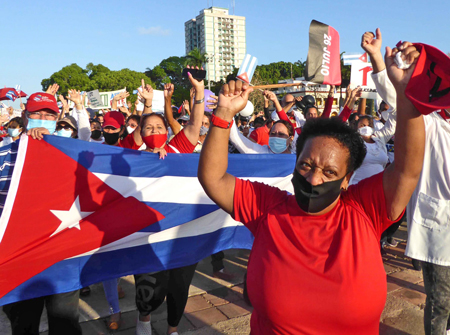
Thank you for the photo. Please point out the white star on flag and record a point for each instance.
(70, 218)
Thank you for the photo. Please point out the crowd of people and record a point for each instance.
(315, 266)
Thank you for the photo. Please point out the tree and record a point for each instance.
(170, 71)
(95, 77)
(69, 77)
(196, 58)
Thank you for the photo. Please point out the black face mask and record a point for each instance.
(95, 134)
(111, 138)
(313, 199)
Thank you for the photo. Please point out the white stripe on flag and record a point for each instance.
(14, 184)
(351, 56)
(252, 67)
(206, 224)
(244, 64)
(182, 190)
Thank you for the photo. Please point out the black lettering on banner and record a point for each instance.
(434, 93)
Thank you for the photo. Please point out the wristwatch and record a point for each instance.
(221, 123)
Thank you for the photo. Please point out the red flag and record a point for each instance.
(323, 65)
(81, 213)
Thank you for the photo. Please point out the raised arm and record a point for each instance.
(212, 168)
(65, 107)
(385, 89)
(272, 97)
(329, 103)
(147, 94)
(80, 115)
(192, 129)
(372, 45)
(117, 97)
(168, 92)
(401, 177)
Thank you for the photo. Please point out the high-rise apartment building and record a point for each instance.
(221, 36)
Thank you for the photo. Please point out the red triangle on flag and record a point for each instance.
(243, 77)
(364, 57)
(51, 182)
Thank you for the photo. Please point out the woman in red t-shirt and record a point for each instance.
(153, 288)
(315, 266)
(154, 130)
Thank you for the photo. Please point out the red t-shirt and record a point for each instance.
(179, 142)
(128, 142)
(315, 275)
(260, 135)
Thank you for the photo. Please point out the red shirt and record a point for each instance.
(315, 275)
(260, 135)
(129, 143)
(178, 144)
(181, 143)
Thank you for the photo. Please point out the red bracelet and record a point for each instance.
(221, 123)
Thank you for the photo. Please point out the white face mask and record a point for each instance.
(203, 130)
(130, 129)
(366, 131)
(385, 115)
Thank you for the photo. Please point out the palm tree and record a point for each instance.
(196, 58)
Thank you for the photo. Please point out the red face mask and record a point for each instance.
(155, 141)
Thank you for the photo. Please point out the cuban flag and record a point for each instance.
(11, 95)
(77, 213)
(247, 68)
(350, 58)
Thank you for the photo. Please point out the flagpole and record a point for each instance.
(277, 85)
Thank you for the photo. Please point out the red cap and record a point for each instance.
(429, 86)
(39, 101)
(114, 119)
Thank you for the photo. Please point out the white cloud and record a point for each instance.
(156, 31)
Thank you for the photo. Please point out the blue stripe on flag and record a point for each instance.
(176, 214)
(135, 163)
(63, 276)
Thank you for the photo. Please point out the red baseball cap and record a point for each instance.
(113, 119)
(40, 100)
(429, 86)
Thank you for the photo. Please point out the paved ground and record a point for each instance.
(217, 307)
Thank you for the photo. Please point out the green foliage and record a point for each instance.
(345, 72)
(69, 77)
(273, 72)
(195, 58)
(170, 71)
(95, 77)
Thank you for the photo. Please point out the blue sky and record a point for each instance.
(41, 39)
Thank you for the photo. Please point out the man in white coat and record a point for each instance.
(428, 211)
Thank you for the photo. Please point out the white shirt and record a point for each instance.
(244, 145)
(374, 162)
(84, 126)
(428, 210)
(6, 140)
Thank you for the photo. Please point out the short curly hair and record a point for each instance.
(341, 132)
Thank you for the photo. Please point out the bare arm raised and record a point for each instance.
(401, 177)
(217, 183)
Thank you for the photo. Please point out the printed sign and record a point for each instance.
(361, 76)
(94, 99)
